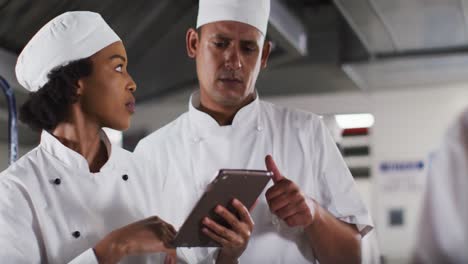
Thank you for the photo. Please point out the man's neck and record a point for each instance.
(224, 115)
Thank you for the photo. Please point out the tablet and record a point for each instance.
(244, 185)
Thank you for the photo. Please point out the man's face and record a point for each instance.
(229, 56)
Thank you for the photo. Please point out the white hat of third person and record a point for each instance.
(68, 37)
(252, 12)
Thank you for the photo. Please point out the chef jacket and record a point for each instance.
(443, 226)
(187, 153)
(54, 210)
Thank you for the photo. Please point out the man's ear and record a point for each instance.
(192, 41)
(266, 53)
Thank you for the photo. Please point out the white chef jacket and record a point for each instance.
(54, 210)
(443, 228)
(188, 152)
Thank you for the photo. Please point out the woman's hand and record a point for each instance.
(150, 235)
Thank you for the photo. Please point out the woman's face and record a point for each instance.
(106, 96)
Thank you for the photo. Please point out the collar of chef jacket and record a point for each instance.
(70, 157)
(205, 125)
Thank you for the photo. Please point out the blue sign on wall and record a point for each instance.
(392, 166)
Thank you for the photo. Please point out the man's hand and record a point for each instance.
(331, 240)
(233, 241)
(286, 200)
(150, 235)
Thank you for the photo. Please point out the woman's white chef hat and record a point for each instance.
(68, 37)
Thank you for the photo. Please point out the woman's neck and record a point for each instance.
(84, 138)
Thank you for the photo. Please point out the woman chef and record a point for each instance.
(75, 197)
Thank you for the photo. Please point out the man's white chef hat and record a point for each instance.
(252, 12)
(68, 37)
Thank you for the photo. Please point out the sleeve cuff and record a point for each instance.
(87, 257)
(363, 223)
(198, 255)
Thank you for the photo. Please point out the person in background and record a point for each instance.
(443, 227)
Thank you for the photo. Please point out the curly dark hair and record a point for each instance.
(47, 107)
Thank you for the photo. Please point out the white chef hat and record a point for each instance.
(252, 12)
(66, 38)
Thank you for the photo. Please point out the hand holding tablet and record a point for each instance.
(243, 185)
